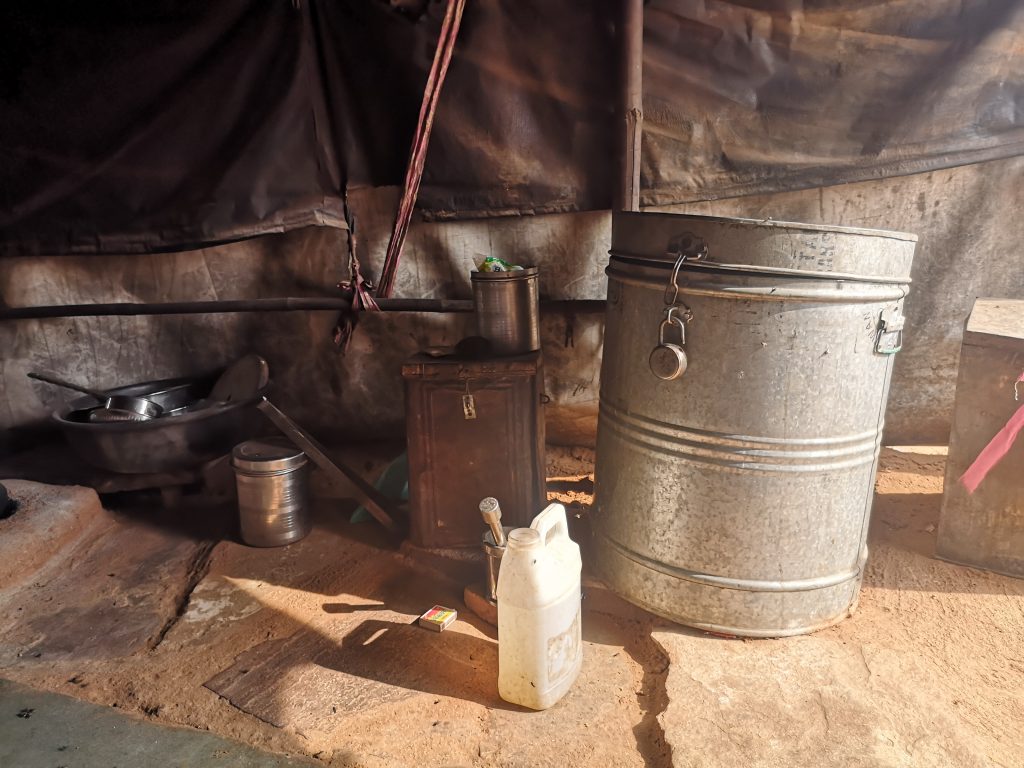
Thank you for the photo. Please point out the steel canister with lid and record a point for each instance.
(272, 478)
(507, 309)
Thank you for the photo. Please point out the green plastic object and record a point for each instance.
(393, 483)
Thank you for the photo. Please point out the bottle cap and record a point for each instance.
(523, 538)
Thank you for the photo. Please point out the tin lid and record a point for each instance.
(513, 274)
(269, 454)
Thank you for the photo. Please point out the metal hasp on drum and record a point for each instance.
(890, 332)
(744, 380)
(668, 359)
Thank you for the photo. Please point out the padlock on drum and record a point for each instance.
(668, 359)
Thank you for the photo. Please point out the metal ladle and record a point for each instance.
(112, 407)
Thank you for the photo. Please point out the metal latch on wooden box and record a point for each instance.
(468, 404)
(890, 334)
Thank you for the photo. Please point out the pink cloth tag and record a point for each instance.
(997, 448)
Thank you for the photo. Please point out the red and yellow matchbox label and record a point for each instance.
(437, 618)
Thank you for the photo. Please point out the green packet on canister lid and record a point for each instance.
(494, 264)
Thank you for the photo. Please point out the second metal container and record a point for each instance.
(743, 388)
(272, 478)
(507, 310)
(494, 554)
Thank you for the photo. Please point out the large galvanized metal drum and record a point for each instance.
(743, 388)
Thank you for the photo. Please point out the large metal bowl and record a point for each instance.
(167, 444)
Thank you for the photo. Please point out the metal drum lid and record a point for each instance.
(756, 246)
(273, 454)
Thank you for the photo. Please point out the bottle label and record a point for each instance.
(563, 650)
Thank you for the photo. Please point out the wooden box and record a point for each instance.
(986, 529)
(475, 428)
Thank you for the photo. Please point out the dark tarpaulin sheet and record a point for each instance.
(739, 98)
(131, 127)
(526, 119)
(755, 97)
(524, 123)
(165, 124)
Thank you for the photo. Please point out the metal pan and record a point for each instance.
(113, 407)
(180, 442)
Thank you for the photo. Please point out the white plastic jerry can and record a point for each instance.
(540, 647)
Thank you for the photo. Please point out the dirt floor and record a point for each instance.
(311, 649)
